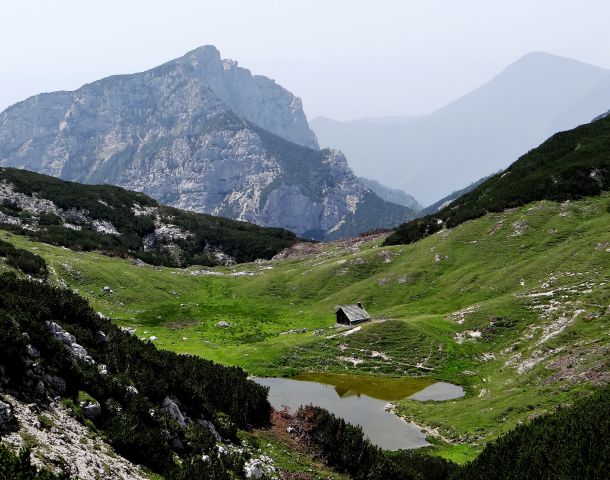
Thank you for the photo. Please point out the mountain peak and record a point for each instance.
(205, 56)
(542, 61)
(281, 113)
(204, 51)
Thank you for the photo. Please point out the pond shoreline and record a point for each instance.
(363, 400)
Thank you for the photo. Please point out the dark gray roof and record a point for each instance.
(354, 313)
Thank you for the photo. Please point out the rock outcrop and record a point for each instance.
(76, 350)
(67, 445)
(202, 134)
(174, 410)
(8, 422)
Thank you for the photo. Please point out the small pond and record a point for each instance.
(361, 400)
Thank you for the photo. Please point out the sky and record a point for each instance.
(346, 59)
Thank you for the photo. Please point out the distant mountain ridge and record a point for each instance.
(430, 156)
(198, 133)
(393, 195)
(569, 165)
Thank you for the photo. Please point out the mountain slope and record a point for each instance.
(391, 194)
(120, 222)
(569, 165)
(152, 406)
(429, 156)
(191, 134)
(443, 202)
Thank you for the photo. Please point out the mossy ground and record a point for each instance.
(514, 306)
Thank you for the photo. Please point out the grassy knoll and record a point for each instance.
(514, 306)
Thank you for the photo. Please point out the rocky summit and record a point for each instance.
(199, 133)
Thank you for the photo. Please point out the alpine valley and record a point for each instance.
(180, 263)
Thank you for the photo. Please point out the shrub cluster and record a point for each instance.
(241, 240)
(19, 467)
(133, 421)
(23, 260)
(571, 443)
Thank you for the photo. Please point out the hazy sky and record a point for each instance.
(344, 58)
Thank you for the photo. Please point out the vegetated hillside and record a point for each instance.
(201, 134)
(512, 306)
(569, 165)
(125, 223)
(571, 443)
(431, 155)
(151, 405)
(443, 202)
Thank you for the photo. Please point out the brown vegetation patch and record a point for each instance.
(179, 325)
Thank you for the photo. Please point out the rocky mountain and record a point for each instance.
(432, 155)
(393, 195)
(199, 133)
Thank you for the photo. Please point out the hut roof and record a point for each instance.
(354, 313)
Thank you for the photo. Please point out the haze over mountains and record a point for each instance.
(432, 155)
(198, 133)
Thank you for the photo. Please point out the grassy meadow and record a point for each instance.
(514, 306)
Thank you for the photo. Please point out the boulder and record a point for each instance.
(260, 467)
(31, 352)
(39, 390)
(56, 385)
(8, 421)
(210, 426)
(100, 337)
(91, 409)
(172, 408)
(132, 390)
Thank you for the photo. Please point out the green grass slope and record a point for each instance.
(514, 306)
(569, 165)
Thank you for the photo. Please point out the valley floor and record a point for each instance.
(514, 306)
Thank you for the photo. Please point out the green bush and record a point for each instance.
(345, 448)
(572, 443)
(23, 260)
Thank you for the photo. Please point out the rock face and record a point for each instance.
(8, 422)
(198, 133)
(68, 444)
(255, 97)
(393, 195)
